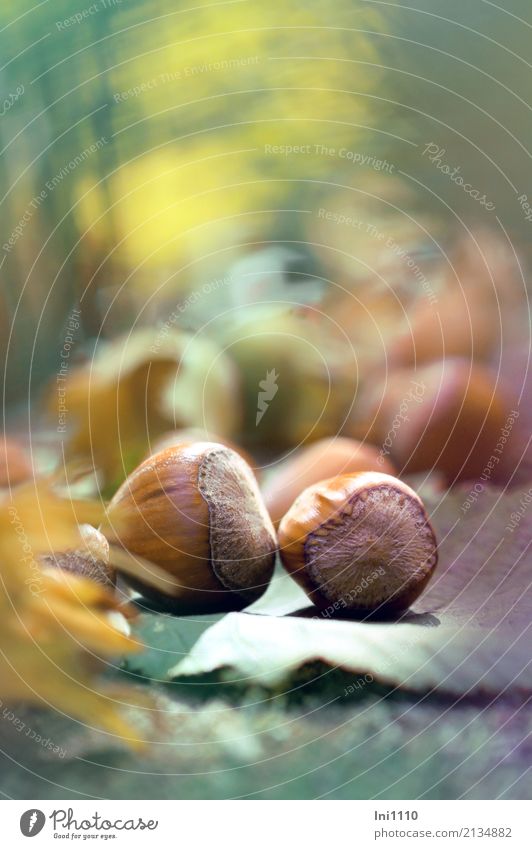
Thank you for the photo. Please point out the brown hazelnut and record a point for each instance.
(89, 560)
(359, 543)
(195, 511)
(479, 303)
(325, 458)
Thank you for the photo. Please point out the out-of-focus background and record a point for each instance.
(172, 166)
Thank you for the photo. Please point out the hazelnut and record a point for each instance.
(325, 458)
(299, 376)
(15, 466)
(89, 560)
(446, 416)
(461, 325)
(196, 434)
(195, 511)
(359, 543)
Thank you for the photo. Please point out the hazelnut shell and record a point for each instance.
(359, 543)
(89, 560)
(195, 511)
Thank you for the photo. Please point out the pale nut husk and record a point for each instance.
(326, 458)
